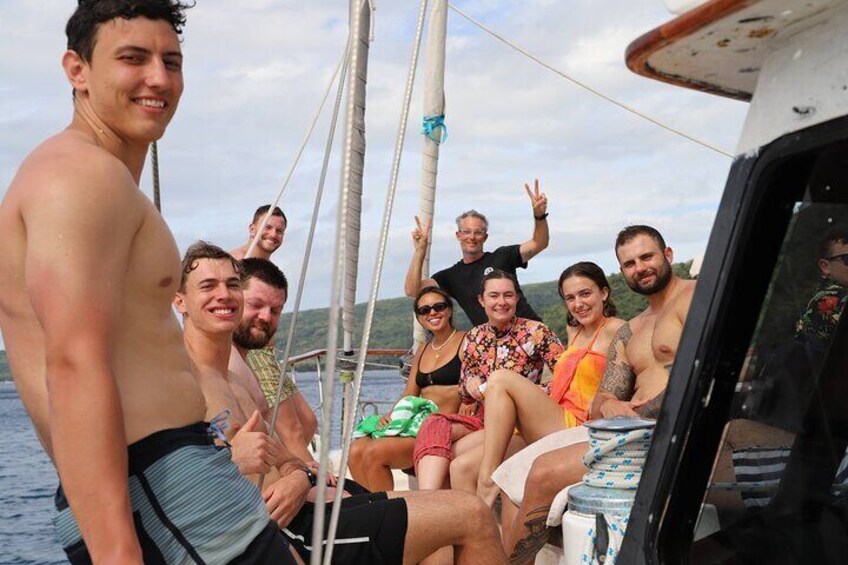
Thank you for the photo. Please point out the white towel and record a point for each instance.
(512, 473)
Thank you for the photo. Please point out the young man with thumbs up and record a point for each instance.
(210, 300)
(373, 527)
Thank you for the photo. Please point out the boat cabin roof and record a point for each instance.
(720, 46)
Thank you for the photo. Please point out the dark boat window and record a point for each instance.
(779, 487)
(750, 382)
(778, 491)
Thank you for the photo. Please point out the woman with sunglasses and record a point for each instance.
(503, 342)
(434, 376)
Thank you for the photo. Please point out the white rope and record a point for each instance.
(616, 459)
(585, 86)
(333, 317)
(308, 252)
(375, 285)
(616, 526)
(270, 212)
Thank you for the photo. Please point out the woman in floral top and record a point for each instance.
(504, 342)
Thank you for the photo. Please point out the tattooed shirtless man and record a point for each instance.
(638, 365)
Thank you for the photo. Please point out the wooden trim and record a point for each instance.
(641, 49)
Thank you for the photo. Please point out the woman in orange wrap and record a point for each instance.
(512, 403)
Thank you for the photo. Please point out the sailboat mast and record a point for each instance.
(354, 158)
(434, 114)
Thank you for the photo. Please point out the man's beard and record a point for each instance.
(268, 246)
(246, 339)
(662, 278)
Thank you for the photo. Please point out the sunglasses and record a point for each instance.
(843, 257)
(437, 307)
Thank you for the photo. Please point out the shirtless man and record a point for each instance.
(462, 280)
(297, 418)
(272, 236)
(638, 365)
(265, 292)
(643, 351)
(374, 527)
(87, 273)
(210, 300)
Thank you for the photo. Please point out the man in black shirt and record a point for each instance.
(462, 280)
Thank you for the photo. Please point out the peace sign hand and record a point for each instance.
(537, 199)
(421, 234)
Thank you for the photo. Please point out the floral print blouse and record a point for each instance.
(524, 346)
(821, 317)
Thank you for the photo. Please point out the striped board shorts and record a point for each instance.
(190, 505)
(761, 466)
(759, 470)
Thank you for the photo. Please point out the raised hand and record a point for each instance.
(537, 199)
(421, 233)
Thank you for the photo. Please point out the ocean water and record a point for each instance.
(28, 480)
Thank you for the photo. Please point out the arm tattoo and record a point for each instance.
(651, 409)
(535, 538)
(619, 377)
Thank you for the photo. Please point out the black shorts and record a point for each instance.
(371, 530)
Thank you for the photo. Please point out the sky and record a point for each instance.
(255, 71)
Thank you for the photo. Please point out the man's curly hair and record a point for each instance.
(83, 24)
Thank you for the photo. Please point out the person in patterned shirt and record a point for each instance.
(816, 325)
(505, 341)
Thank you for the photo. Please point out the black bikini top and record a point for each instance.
(447, 374)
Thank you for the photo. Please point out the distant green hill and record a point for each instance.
(392, 326)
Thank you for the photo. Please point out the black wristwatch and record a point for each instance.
(313, 480)
(542, 217)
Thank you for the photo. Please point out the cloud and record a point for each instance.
(255, 72)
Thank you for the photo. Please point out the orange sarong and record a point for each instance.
(577, 375)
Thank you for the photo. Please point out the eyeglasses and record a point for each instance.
(437, 307)
(476, 233)
(843, 257)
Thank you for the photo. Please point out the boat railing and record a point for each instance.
(345, 367)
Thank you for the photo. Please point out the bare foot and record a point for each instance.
(488, 491)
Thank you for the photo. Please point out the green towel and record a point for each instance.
(406, 419)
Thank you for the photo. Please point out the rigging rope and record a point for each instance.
(154, 162)
(375, 285)
(335, 289)
(585, 86)
(340, 71)
(270, 212)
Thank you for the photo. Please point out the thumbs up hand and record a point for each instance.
(253, 451)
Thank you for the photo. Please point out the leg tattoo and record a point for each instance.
(535, 537)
